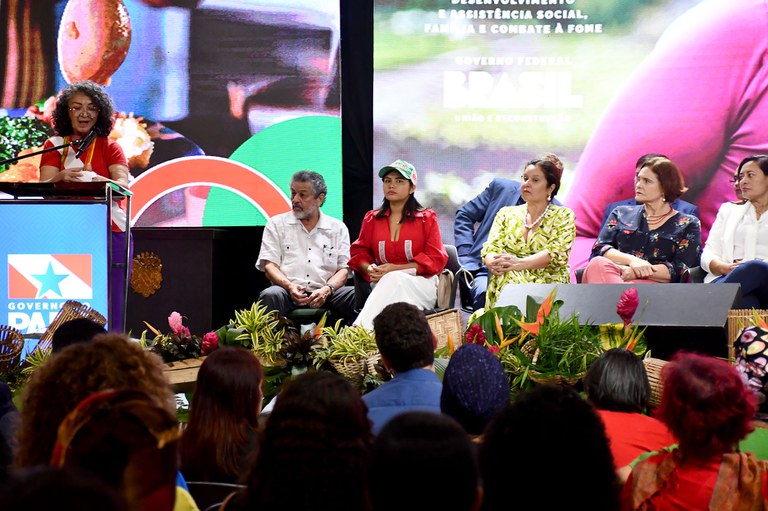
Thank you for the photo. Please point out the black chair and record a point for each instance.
(208, 494)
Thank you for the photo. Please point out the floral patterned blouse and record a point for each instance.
(555, 234)
(676, 243)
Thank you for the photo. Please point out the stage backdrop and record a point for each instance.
(469, 90)
(219, 101)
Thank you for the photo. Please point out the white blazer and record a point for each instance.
(720, 242)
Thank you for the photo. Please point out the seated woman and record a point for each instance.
(648, 243)
(531, 243)
(617, 384)
(399, 250)
(708, 408)
(220, 441)
(733, 253)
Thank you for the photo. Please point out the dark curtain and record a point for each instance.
(357, 110)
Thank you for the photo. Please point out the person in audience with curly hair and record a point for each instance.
(707, 406)
(109, 363)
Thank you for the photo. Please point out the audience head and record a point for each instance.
(617, 381)
(315, 447)
(552, 168)
(669, 176)
(753, 177)
(417, 452)
(224, 415)
(126, 439)
(549, 426)
(705, 404)
(75, 331)
(62, 122)
(404, 337)
(475, 387)
(44, 487)
(110, 361)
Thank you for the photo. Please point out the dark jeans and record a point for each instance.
(753, 277)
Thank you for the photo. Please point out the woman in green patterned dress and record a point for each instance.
(531, 243)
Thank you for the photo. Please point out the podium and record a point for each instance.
(56, 245)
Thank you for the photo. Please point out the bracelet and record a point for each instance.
(333, 289)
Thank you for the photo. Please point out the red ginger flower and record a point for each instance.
(210, 342)
(475, 335)
(627, 305)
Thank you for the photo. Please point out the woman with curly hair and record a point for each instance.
(82, 109)
(221, 438)
(706, 405)
(61, 424)
(111, 361)
(314, 450)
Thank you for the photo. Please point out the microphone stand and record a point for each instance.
(17, 158)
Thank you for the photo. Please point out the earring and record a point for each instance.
(549, 198)
(663, 199)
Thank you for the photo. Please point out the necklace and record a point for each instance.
(528, 215)
(657, 218)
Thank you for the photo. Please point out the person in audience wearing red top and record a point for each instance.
(82, 108)
(617, 384)
(707, 406)
(399, 250)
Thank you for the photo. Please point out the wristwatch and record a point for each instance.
(333, 289)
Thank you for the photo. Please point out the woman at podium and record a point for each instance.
(82, 121)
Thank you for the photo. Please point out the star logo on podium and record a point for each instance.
(49, 281)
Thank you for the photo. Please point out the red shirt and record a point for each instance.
(106, 152)
(633, 434)
(419, 241)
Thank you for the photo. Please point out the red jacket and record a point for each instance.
(420, 242)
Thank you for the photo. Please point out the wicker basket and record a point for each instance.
(11, 346)
(444, 324)
(555, 379)
(737, 320)
(355, 369)
(70, 310)
(653, 367)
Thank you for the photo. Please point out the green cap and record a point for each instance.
(405, 169)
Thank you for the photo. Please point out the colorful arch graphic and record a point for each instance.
(250, 184)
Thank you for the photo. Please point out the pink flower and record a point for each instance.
(210, 342)
(494, 349)
(475, 335)
(174, 321)
(627, 305)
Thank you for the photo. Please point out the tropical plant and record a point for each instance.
(263, 332)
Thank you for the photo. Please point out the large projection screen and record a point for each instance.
(469, 90)
(219, 101)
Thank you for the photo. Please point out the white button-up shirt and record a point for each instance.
(306, 258)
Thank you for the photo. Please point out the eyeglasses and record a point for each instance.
(91, 109)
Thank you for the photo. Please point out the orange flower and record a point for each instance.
(544, 311)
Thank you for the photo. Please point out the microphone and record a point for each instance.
(83, 144)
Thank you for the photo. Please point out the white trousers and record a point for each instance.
(398, 286)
